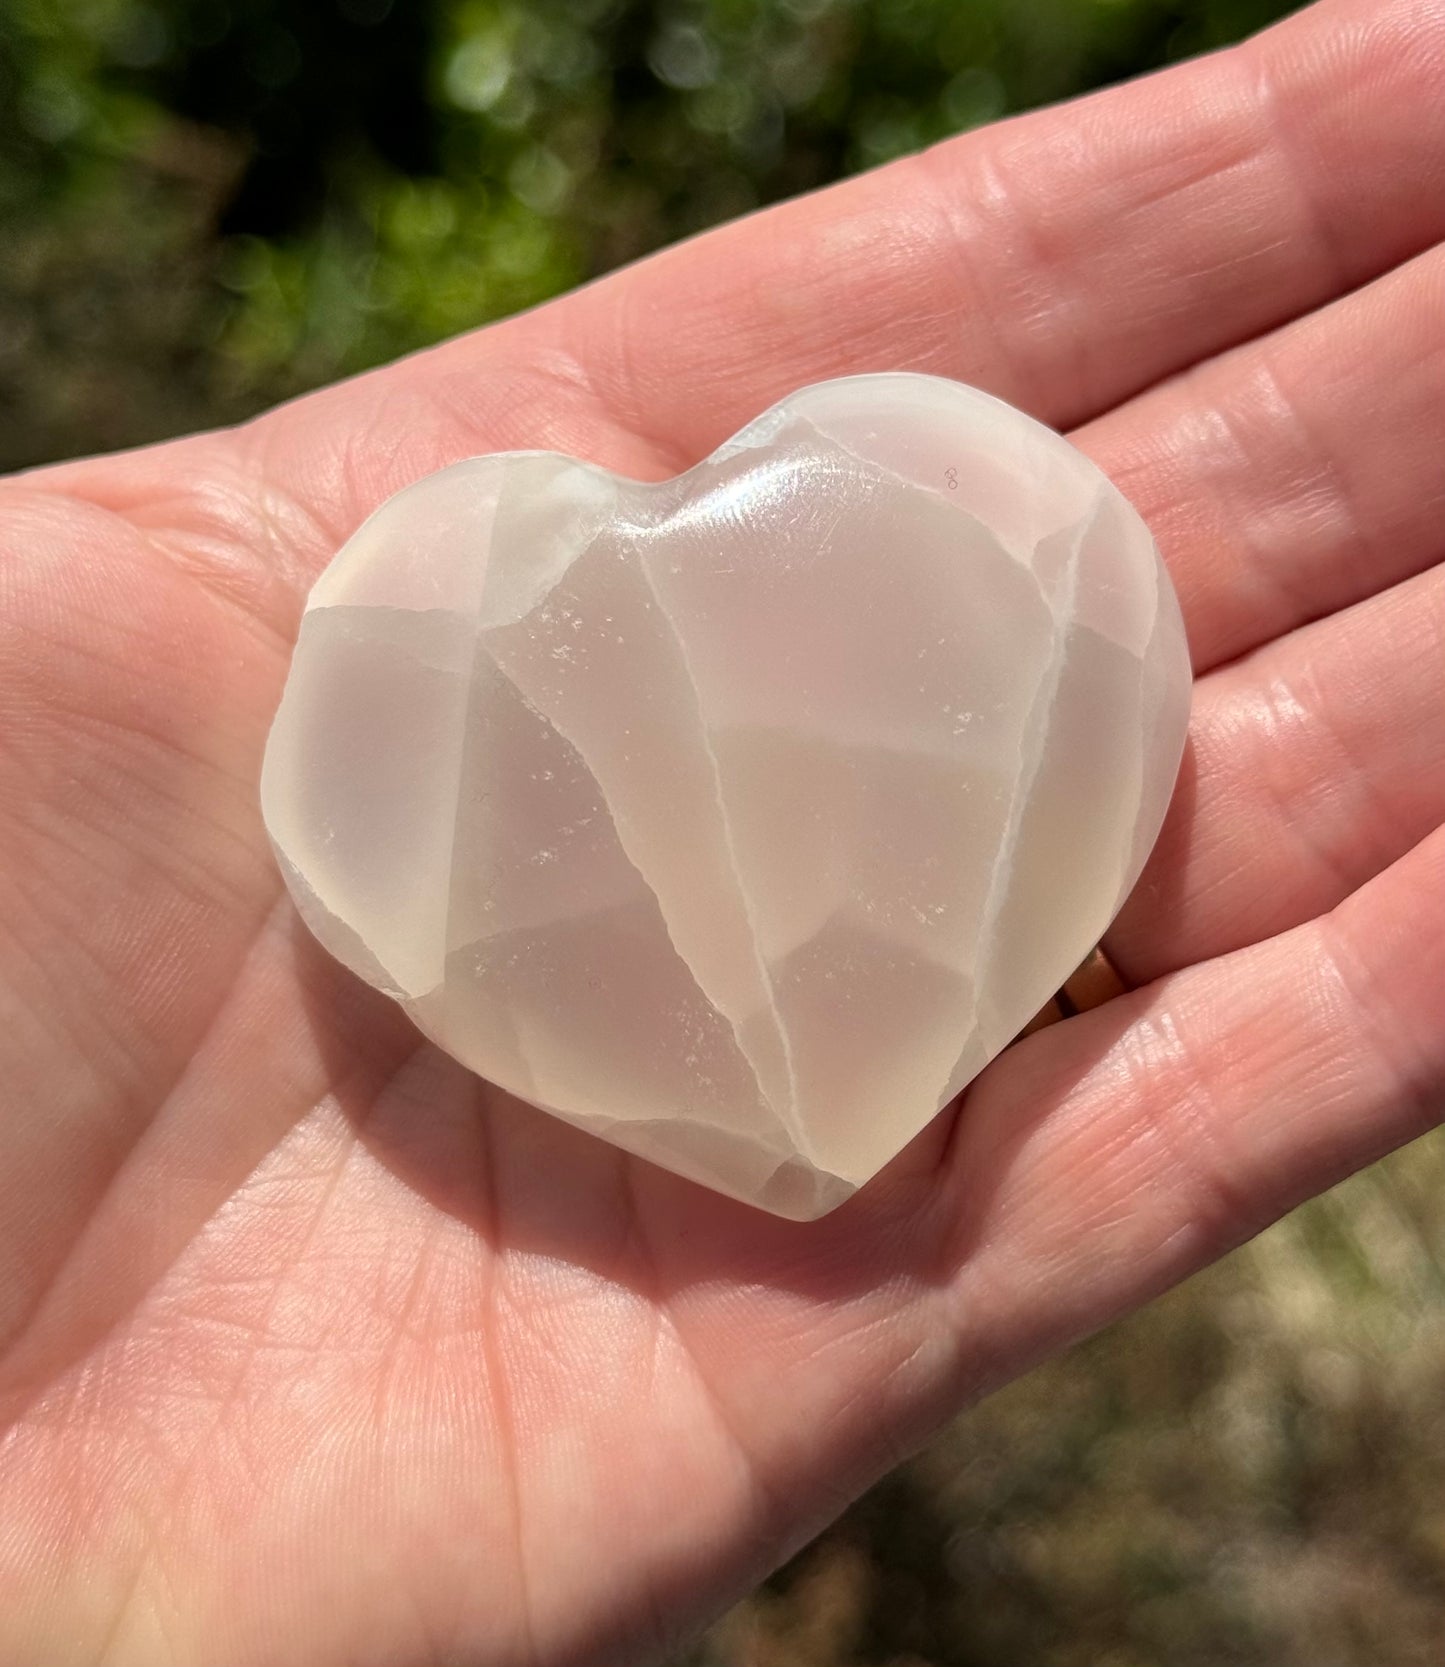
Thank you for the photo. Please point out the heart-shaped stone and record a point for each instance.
(739, 818)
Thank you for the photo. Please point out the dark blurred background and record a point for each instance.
(208, 205)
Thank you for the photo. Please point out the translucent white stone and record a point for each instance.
(743, 817)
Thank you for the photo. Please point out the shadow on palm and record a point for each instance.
(527, 1183)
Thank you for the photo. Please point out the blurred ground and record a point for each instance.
(212, 204)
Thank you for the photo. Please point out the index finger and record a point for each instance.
(1063, 260)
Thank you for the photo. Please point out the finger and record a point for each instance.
(1297, 474)
(1181, 1119)
(1063, 260)
(1314, 764)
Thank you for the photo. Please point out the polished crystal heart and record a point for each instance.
(739, 818)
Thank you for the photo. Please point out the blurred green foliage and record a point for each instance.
(210, 204)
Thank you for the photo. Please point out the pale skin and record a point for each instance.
(313, 1348)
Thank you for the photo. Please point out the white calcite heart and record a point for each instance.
(739, 818)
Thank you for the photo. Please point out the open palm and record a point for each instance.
(314, 1348)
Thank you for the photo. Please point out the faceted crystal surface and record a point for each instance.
(739, 818)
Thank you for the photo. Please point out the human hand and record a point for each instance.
(314, 1348)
